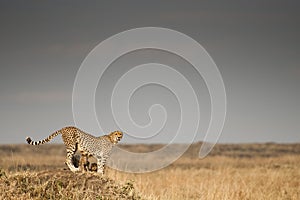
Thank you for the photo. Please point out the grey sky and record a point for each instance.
(255, 44)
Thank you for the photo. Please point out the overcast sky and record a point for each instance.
(255, 45)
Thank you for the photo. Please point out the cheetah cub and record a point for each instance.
(88, 145)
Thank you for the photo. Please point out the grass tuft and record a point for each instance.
(61, 184)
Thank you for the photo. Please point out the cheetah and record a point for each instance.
(88, 145)
(83, 162)
(93, 167)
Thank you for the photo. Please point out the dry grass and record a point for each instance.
(60, 184)
(222, 178)
(248, 171)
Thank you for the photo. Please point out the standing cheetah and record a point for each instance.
(89, 145)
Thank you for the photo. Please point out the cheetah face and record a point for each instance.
(116, 136)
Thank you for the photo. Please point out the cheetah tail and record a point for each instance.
(50, 137)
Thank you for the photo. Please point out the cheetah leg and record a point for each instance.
(100, 164)
(70, 154)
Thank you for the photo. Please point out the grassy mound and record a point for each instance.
(63, 185)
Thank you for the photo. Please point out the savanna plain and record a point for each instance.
(230, 171)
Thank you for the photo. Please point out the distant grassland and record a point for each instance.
(230, 171)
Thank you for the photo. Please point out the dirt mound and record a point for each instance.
(63, 185)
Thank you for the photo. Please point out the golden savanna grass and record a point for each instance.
(230, 171)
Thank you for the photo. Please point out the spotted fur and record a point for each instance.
(89, 145)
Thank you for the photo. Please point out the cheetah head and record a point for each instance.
(116, 136)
